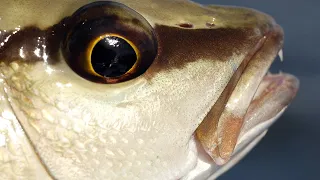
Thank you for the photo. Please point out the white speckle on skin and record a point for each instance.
(52, 135)
(121, 153)
(61, 106)
(138, 163)
(102, 138)
(109, 153)
(110, 164)
(79, 145)
(77, 128)
(133, 152)
(140, 141)
(47, 116)
(64, 123)
(129, 164)
(124, 140)
(112, 139)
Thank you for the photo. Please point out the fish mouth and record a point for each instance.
(252, 101)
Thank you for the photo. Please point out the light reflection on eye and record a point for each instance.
(111, 41)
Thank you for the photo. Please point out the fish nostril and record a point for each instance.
(210, 25)
(186, 25)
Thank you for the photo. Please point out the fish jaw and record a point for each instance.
(219, 131)
(241, 118)
(271, 99)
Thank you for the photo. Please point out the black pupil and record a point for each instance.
(113, 57)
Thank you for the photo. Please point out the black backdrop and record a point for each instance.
(291, 149)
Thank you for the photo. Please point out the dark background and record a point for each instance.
(291, 149)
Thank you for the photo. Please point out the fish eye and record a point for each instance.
(112, 56)
(107, 42)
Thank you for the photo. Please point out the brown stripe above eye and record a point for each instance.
(179, 46)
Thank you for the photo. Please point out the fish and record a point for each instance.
(127, 89)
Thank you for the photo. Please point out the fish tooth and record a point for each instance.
(280, 54)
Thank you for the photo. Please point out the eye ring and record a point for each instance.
(94, 24)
